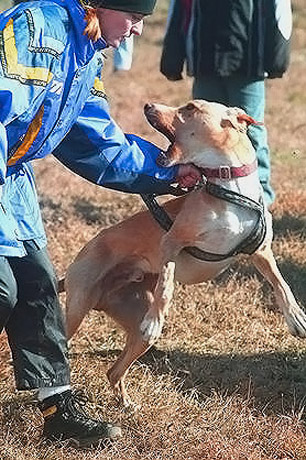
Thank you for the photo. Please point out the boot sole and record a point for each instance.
(88, 442)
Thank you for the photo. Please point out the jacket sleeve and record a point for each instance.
(278, 29)
(97, 149)
(174, 46)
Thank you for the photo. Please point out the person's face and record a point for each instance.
(116, 26)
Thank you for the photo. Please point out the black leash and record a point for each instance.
(248, 246)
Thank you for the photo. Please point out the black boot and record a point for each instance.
(65, 419)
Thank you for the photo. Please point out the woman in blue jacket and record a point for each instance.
(52, 101)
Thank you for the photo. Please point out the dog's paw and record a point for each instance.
(296, 322)
(151, 327)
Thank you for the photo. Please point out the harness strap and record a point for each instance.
(248, 246)
(159, 214)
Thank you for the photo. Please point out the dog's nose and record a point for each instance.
(148, 106)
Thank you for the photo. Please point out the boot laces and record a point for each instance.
(75, 402)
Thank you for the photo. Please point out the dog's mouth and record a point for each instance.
(154, 117)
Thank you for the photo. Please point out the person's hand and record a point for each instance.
(188, 176)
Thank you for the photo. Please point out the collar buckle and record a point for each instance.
(225, 172)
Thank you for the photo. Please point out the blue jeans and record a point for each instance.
(250, 96)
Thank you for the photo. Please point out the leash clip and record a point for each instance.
(201, 184)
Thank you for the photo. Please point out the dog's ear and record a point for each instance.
(238, 119)
(245, 118)
(192, 106)
(233, 118)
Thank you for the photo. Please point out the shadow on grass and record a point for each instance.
(93, 214)
(291, 224)
(51, 210)
(274, 381)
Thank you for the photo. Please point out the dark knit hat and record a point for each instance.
(130, 6)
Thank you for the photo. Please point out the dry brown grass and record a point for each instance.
(226, 380)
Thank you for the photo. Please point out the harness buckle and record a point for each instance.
(225, 172)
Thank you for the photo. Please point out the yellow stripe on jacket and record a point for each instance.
(14, 68)
(30, 137)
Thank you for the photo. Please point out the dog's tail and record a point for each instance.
(61, 286)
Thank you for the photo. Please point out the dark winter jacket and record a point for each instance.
(249, 38)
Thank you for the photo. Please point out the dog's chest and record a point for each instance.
(214, 231)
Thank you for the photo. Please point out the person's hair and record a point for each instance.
(92, 29)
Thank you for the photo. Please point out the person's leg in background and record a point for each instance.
(212, 89)
(250, 96)
(123, 56)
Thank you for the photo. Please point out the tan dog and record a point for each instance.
(128, 270)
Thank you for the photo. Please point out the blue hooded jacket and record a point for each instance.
(52, 101)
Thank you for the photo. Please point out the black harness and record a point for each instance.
(248, 246)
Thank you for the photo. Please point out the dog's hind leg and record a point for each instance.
(78, 304)
(295, 318)
(128, 306)
(82, 292)
(134, 348)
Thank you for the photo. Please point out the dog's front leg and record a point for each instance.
(295, 318)
(152, 323)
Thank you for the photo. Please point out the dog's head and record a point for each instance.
(199, 128)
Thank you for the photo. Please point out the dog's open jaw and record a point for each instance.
(160, 121)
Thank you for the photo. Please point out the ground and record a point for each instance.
(226, 380)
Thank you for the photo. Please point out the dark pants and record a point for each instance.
(31, 315)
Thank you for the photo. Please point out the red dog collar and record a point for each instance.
(225, 172)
